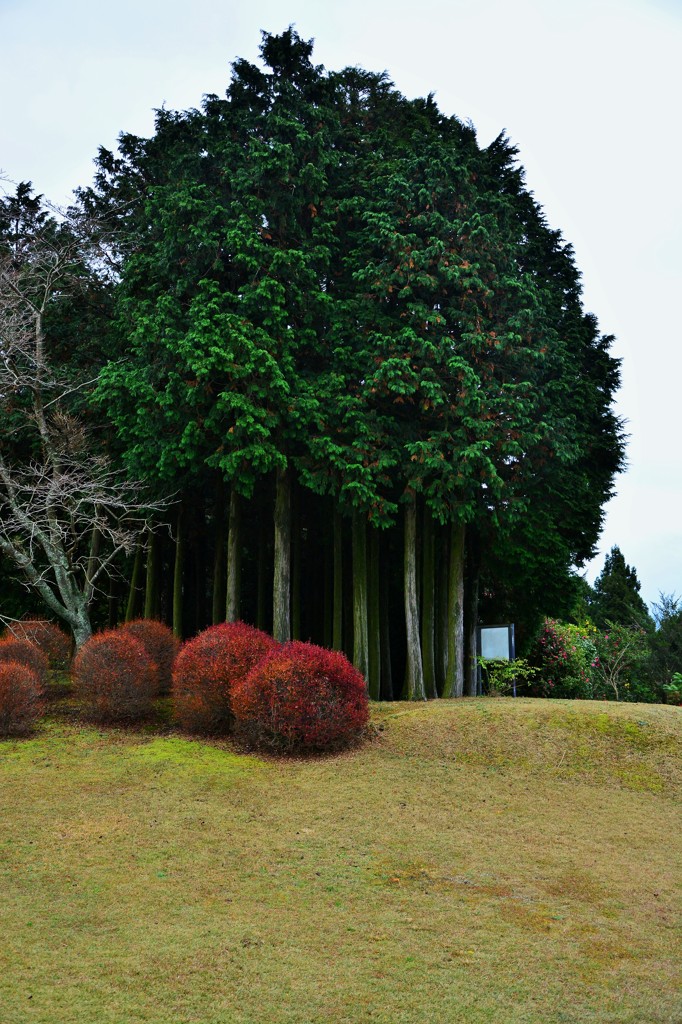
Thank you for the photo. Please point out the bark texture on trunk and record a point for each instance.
(374, 617)
(219, 591)
(428, 602)
(337, 614)
(281, 587)
(328, 616)
(151, 590)
(234, 559)
(360, 629)
(414, 671)
(296, 553)
(443, 549)
(177, 575)
(454, 682)
(262, 581)
(80, 627)
(472, 594)
(131, 606)
(384, 615)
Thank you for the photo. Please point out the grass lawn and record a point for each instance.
(480, 861)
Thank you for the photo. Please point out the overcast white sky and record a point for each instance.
(589, 90)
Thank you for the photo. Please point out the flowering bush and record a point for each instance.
(161, 645)
(48, 637)
(673, 689)
(302, 697)
(20, 698)
(620, 652)
(566, 656)
(208, 667)
(115, 677)
(27, 654)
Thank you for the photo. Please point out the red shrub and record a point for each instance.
(115, 677)
(20, 698)
(25, 653)
(52, 641)
(302, 697)
(160, 644)
(208, 667)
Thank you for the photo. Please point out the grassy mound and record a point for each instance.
(480, 861)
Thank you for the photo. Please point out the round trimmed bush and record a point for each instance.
(54, 642)
(20, 698)
(302, 697)
(160, 643)
(25, 653)
(115, 677)
(208, 667)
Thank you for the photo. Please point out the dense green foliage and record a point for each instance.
(616, 596)
(333, 305)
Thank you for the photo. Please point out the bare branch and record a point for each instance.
(66, 493)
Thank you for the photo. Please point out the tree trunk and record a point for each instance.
(150, 601)
(414, 675)
(177, 575)
(328, 618)
(262, 581)
(80, 626)
(374, 617)
(428, 609)
(91, 569)
(219, 595)
(337, 627)
(443, 591)
(472, 592)
(281, 588)
(131, 606)
(360, 630)
(384, 615)
(296, 563)
(454, 682)
(234, 554)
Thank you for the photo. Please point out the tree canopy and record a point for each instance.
(332, 302)
(616, 596)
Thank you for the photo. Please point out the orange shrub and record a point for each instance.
(47, 636)
(115, 677)
(302, 697)
(207, 668)
(25, 653)
(161, 645)
(20, 698)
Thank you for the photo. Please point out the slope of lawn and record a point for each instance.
(477, 861)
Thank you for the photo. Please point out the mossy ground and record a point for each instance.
(479, 861)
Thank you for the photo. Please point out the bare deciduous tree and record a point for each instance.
(66, 513)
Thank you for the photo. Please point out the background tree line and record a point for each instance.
(342, 335)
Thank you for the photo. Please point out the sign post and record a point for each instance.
(497, 643)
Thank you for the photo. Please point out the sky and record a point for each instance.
(589, 91)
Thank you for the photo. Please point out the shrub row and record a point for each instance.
(49, 638)
(293, 696)
(21, 698)
(208, 667)
(302, 697)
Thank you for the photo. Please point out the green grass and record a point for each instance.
(479, 861)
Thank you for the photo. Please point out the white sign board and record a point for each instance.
(496, 643)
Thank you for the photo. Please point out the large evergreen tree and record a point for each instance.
(338, 305)
(616, 597)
